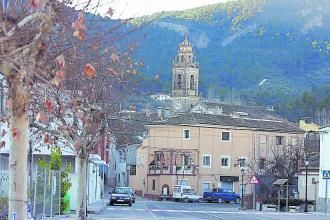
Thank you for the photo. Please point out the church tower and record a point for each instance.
(185, 77)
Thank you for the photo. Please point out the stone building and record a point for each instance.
(185, 78)
(206, 151)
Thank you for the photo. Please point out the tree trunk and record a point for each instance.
(19, 130)
(82, 187)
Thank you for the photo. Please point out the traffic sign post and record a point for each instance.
(254, 181)
(326, 177)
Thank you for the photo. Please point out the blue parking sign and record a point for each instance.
(326, 174)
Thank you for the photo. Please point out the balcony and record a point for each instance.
(183, 169)
(154, 169)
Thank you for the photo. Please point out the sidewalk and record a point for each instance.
(97, 207)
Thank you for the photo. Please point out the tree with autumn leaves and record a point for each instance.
(44, 46)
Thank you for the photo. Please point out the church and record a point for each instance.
(185, 78)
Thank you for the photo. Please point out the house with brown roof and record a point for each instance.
(207, 150)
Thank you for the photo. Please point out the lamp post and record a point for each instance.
(242, 201)
(306, 161)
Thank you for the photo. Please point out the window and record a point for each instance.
(262, 163)
(153, 184)
(186, 134)
(279, 140)
(242, 162)
(192, 82)
(225, 135)
(132, 171)
(186, 160)
(179, 81)
(225, 161)
(207, 161)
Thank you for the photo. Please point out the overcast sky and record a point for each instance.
(138, 8)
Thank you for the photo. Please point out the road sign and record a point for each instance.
(254, 180)
(326, 174)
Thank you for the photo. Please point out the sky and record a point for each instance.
(136, 8)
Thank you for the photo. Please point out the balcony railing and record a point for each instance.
(183, 169)
(157, 169)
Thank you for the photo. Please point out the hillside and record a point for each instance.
(283, 44)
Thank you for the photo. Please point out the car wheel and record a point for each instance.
(185, 200)
(134, 201)
(220, 200)
(237, 201)
(130, 203)
(200, 200)
(176, 200)
(112, 204)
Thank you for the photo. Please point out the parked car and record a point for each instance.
(186, 194)
(221, 195)
(121, 195)
(132, 193)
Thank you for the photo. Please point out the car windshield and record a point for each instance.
(122, 190)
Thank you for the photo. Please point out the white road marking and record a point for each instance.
(215, 216)
(202, 211)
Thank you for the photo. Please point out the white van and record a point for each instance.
(186, 194)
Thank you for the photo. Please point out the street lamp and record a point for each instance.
(242, 173)
(306, 161)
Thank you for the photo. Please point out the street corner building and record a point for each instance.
(206, 150)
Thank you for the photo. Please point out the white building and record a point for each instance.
(95, 181)
(324, 165)
(160, 97)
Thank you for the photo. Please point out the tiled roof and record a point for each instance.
(253, 111)
(128, 127)
(227, 121)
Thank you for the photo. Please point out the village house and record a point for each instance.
(206, 151)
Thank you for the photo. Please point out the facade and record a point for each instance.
(185, 78)
(96, 167)
(324, 185)
(206, 151)
(312, 149)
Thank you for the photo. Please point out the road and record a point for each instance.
(147, 209)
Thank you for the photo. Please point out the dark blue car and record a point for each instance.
(221, 195)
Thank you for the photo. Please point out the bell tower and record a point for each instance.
(185, 77)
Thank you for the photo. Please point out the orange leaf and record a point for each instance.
(60, 75)
(4, 132)
(41, 117)
(79, 35)
(110, 12)
(16, 133)
(47, 139)
(60, 61)
(48, 105)
(89, 70)
(38, 4)
(2, 144)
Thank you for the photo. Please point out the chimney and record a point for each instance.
(159, 112)
(167, 113)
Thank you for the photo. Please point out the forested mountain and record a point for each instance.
(270, 52)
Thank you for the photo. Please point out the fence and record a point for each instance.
(4, 183)
(46, 193)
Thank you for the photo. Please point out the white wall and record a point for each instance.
(312, 188)
(324, 165)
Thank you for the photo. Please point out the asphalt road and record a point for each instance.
(147, 209)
